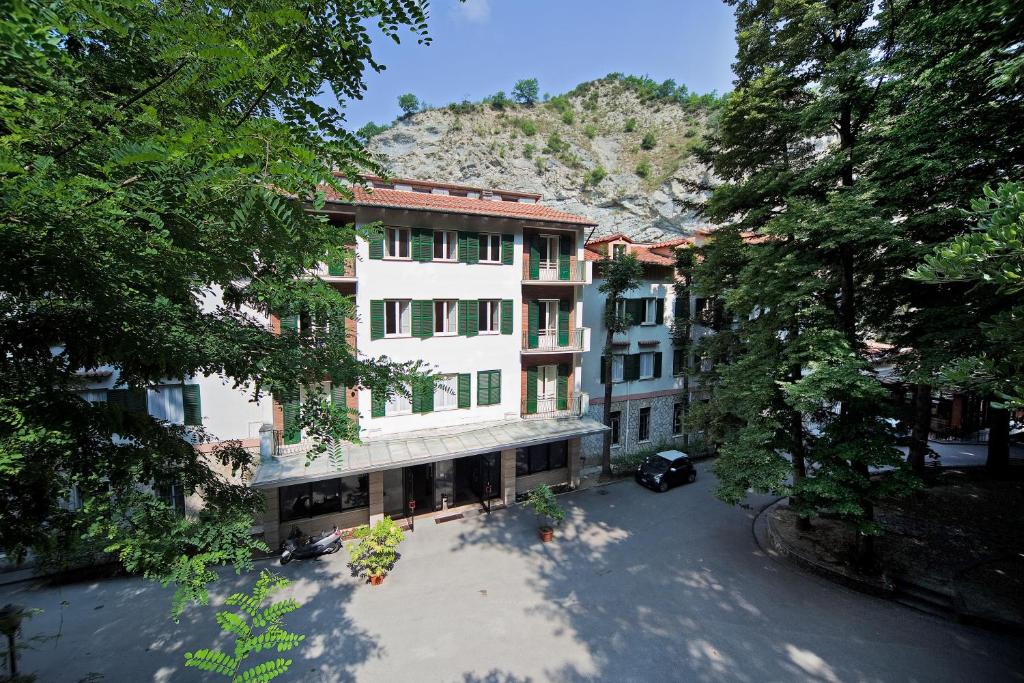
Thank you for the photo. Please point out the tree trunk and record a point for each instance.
(606, 449)
(799, 463)
(998, 461)
(922, 425)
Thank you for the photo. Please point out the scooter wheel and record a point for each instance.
(333, 550)
(285, 560)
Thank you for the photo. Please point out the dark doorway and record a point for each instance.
(419, 486)
(477, 478)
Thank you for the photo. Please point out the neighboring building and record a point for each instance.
(486, 287)
(649, 367)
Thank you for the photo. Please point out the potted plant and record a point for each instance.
(543, 502)
(377, 550)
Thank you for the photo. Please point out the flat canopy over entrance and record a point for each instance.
(421, 446)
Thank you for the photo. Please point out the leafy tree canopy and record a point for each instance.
(526, 91)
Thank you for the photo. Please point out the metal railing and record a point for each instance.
(546, 341)
(550, 271)
(572, 406)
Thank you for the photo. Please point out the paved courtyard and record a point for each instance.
(638, 587)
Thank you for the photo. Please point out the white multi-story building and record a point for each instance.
(650, 360)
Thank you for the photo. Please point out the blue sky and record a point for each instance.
(482, 46)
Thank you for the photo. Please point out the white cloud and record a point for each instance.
(476, 11)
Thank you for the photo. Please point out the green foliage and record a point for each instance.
(649, 141)
(367, 131)
(643, 168)
(596, 175)
(668, 91)
(409, 103)
(568, 117)
(555, 144)
(560, 103)
(150, 154)
(544, 504)
(590, 130)
(498, 100)
(463, 107)
(630, 125)
(618, 276)
(255, 629)
(377, 550)
(525, 126)
(525, 91)
(528, 150)
(541, 164)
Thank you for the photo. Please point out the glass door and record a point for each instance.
(547, 379)
(547, 315)
(548, 257)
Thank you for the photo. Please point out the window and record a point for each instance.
(490, 316)
(445, 245)
(446, 392)
(488, 387)
(542, 458)
(618, 250)
(677, 419)
(490, 248)
(303, 501)
(174, 496)
(650, 311)
(678, 361)
(647, 365)
(396, 241)
(618, 364)
(397, 316)
(644, 425)
(398, 404)
(620, 309)
(705, 364)
(616, 425)
(446, 317)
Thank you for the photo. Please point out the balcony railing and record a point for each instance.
(572, 406)
(574, 272)
(337, 271)
(553, 341)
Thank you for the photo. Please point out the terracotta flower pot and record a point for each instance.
(377, 580)
(546, 534)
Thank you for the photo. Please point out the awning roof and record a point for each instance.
(421, 446)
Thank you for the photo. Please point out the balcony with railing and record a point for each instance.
(555, 341)
(565, 271)
(337, 272)
(546, 408)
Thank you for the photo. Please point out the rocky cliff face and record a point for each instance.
(599, 151)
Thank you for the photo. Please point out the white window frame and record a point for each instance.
(639, 422)
(398, 404)
(649, 357)
(493, 317)
(618, 250)
(650, 311)
(618, 367)
(450, 318)
(552, 243)
(445, 400)
(677, 411)
(493, 242)
(620, 309)
(616, 416)
(551, 313)
(449, 244)
(391, 234)
(402, 310)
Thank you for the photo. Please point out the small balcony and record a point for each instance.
(547, 408)
(551, 341)
(336, 272)
(571, 272)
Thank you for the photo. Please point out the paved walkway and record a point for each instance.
(638, 587)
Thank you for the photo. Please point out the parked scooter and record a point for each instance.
(296, 547)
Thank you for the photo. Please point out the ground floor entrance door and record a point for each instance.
(419, 487)
(477, 478)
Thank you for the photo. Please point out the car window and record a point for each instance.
(680, 463)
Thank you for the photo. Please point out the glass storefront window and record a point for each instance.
(302, 501)
(542, 458)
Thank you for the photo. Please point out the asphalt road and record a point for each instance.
(638, 586)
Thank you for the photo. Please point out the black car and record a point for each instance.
(666, 469)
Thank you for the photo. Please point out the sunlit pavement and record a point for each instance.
(637, 586)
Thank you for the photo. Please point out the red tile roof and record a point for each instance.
(672, 243)
(402, 199)
(610, 238)
(643, 255)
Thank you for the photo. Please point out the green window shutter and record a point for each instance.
(426, 318)
(531, 390)
(506, 316)
(377, 319)
(191, 405)
(377, 404)
(338, 397)
(532, 324)
(534, 258)
(422, 244)
(463, 247)
(473, 247)
(564, 307)
(631, 367)
(635, 311)
(422, 397)
(564, 256)
(376, 241)
(659, 311)
(562, 387)
(292, 431)
(472, 317)
(463, 317)
(483, 388)
(129, 400)
(465, 396)
(495, 393)
(336, 269)
(657, 364)
(507, 249)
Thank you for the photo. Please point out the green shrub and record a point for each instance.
(596, 175)
(560, 103)
(630, 125)
(541, 163)
(648, 141)
(498, 100)
(555, 144)
(590, 130)
(643, 169)
(691, 132)
(528, 150)
(526, 126)
(367, 132)
(544, 504)
(408, 103)
(568, 117)
(525, 91)
(377, 550)
(463, 107)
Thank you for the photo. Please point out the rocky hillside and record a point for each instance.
(606, 150)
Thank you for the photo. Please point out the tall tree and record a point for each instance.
(619, 275)
(158, 164)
